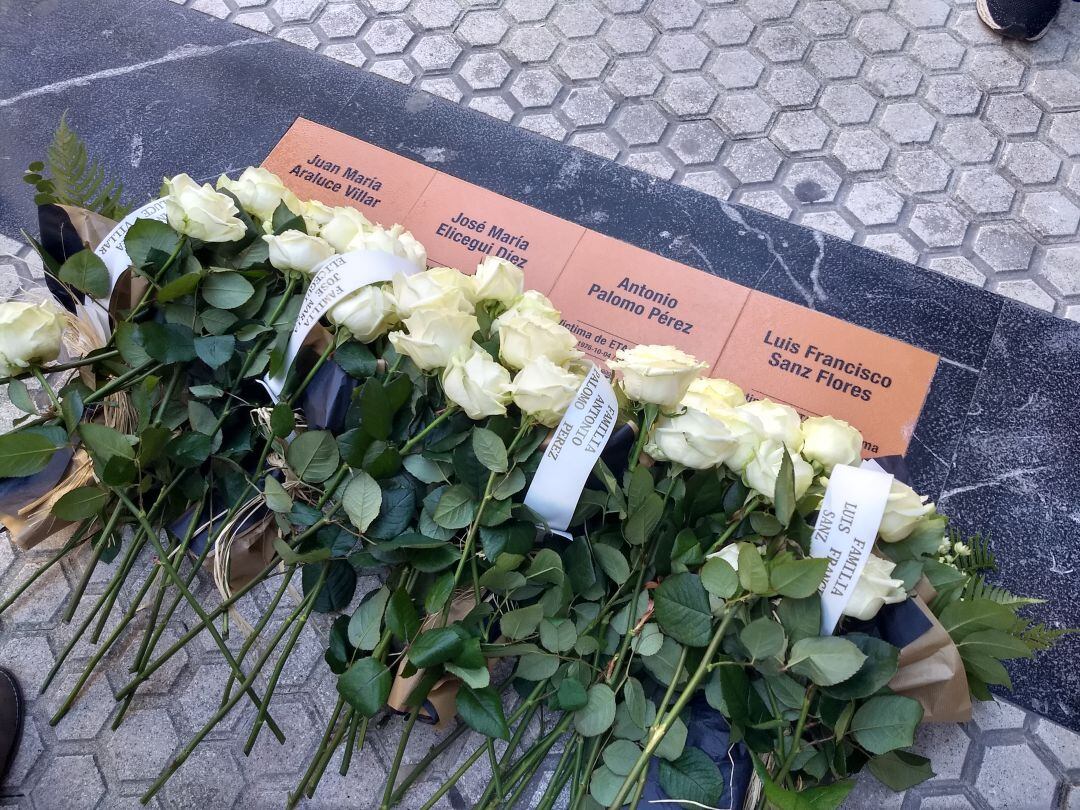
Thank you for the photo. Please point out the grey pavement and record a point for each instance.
(899, 124)
(903, 125)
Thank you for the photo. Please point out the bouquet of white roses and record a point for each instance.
(303, 398)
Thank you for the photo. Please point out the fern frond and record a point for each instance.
(981, 557)
(1041, 637)
(978, 588)
(69, 176)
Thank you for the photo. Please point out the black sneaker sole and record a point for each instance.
(20, 717)
(984, 15)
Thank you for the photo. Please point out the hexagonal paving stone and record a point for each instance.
(970, 28)
(688, 95)
(711, 183)
(968, 142)
(922, 13)
(938, 224)
(782, 43)
(727, 26)
(860, 150)
(836, 60)
(578, 19)
(828, 222)
(848, 103)
(894, 76)
(628, 35)
(436, 52)
(1062, 269)
(907, 123)
(528, 10)
(874, 203)
(341, 20)
(482, 28)
(1065, 132)
(1051, 213)
(762, 10)
(892, 244)
(1015, 115)
(298, 10)
(634, 77)
(682, 51)
(652, 163)
(532, 44)
(736, 69)
(1030, 163)
(812, 182)
(70, 782)
(696, 142)
(1061, 741)
(765, 200)
(483, 71)
(753, 161)
(792, 87)
(879, 33)
(1004, 247)
(995, 69)
(824, 18)
(801, 131)
(922, 170)
(1029, 292)
(599, 143)
(743, 113)
(938, 51)
(674, 14)
(959, 268)
(953, 95)
(143, 744)
(640, 124)
(586, 106)
(210, 778)
(545, 124)
(536, 87)
(985, 191)
(434, 13)
(1056, 89)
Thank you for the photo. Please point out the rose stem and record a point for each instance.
(328, 752)
(388, 789)
(449, 411)
(298, 794)
(526, 766)
(559, 776)
(74, 540)
(422, 765)
(98, 547)
(658, 731)
(354, 732)
(82, 361)
(221, 712)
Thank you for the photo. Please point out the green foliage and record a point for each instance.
(69, 176)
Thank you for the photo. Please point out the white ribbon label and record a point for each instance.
(334, 280)
(845, 532)
(573, 450)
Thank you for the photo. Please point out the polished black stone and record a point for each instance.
(159, 89)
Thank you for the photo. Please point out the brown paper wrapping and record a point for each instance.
(443, 695)
(251, 550)
(932, 672)
(28, 516)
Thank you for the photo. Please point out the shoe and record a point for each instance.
(11, 720)
(1019, 19)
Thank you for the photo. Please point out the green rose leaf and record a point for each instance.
(362, 500)
(456, 508)
(598, 713)
(490, 450)
(693, 777)
(719, 578)
(86, 272)
(179, 287)
(79, 504)
(313, 456)
(226, 290)
(673, 743)
(900, 770)
(886, 722)
(366, 686)
(215, 350)
(763, 638)
(282, 420)
(276, 497)
(798, 578)
(435, 646)
(482, 711)
(826, 660)
(536, 666)
(149, 243)
(25, 453)
(571, 695)
(365, 625)
(753, 575)
(881, 663)
(612, 562)
(401, 617)
(682, 608)
(620, 757)
(522, 622)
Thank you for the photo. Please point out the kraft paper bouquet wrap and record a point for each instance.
(654, 581)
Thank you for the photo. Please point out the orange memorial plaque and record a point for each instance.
(320, 163)
(461, 224)
(614, 295)
(823, 365)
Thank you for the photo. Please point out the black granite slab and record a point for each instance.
(160, 89)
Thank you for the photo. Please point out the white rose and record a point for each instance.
(498, 280)
(701, 440)
(29, 334)
(532, 302)
(434, 335)
(830, 442)
(438, 288)
(295, 250)
(477, 383)
(659, 375)
(343, 226)
(729, 554)
(904, 510)
(709, 393)
(545, 390)
(200, 212)
(260, 192)
(524, 337)
(875, 589)
(367, 313)
(395, 240)
(779, 422)
(316, 214)
(763, 469)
